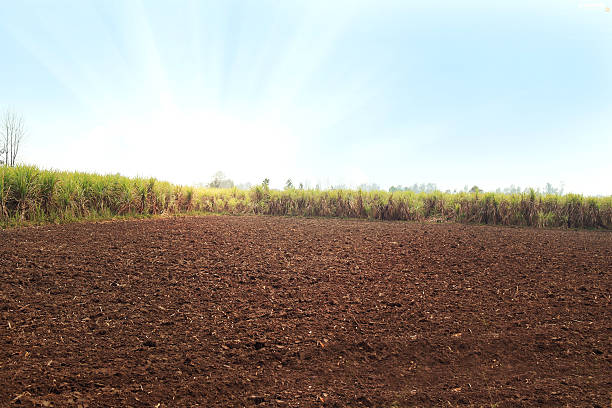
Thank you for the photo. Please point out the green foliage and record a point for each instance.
(28, 194)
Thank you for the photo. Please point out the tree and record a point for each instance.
(289, 185)
(417, 188)
(550, 189)
(220, 181)
(12, 132)
(244, 186)
(368, 187)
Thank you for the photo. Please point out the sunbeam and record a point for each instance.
(394, 92)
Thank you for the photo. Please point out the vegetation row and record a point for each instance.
(29, 194)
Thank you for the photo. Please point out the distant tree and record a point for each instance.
(429, 187)
(220, 181)
(368, 187)
(417, 188)
(512, 189)
(266, 183)
(550, 189)
(244, 186)
(474, 189)
(12, 132)
(301, 186)
(289, 185)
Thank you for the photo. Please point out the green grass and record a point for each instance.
(31, 195)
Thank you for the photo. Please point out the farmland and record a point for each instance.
(278, 311)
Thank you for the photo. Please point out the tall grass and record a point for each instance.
(28, 194)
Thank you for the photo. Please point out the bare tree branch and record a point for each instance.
(13, 131)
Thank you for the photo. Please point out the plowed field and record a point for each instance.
(288, 312)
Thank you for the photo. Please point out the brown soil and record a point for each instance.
(245, 311)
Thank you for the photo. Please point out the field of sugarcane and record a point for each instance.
(32, 195)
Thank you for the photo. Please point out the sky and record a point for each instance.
(487, 93)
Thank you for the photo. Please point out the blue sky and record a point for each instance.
(329, 92)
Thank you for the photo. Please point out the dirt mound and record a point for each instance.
(261, 311)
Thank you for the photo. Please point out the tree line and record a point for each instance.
(220, 180)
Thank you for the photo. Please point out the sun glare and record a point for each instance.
(185, 145)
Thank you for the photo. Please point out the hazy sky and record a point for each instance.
(491, 93)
